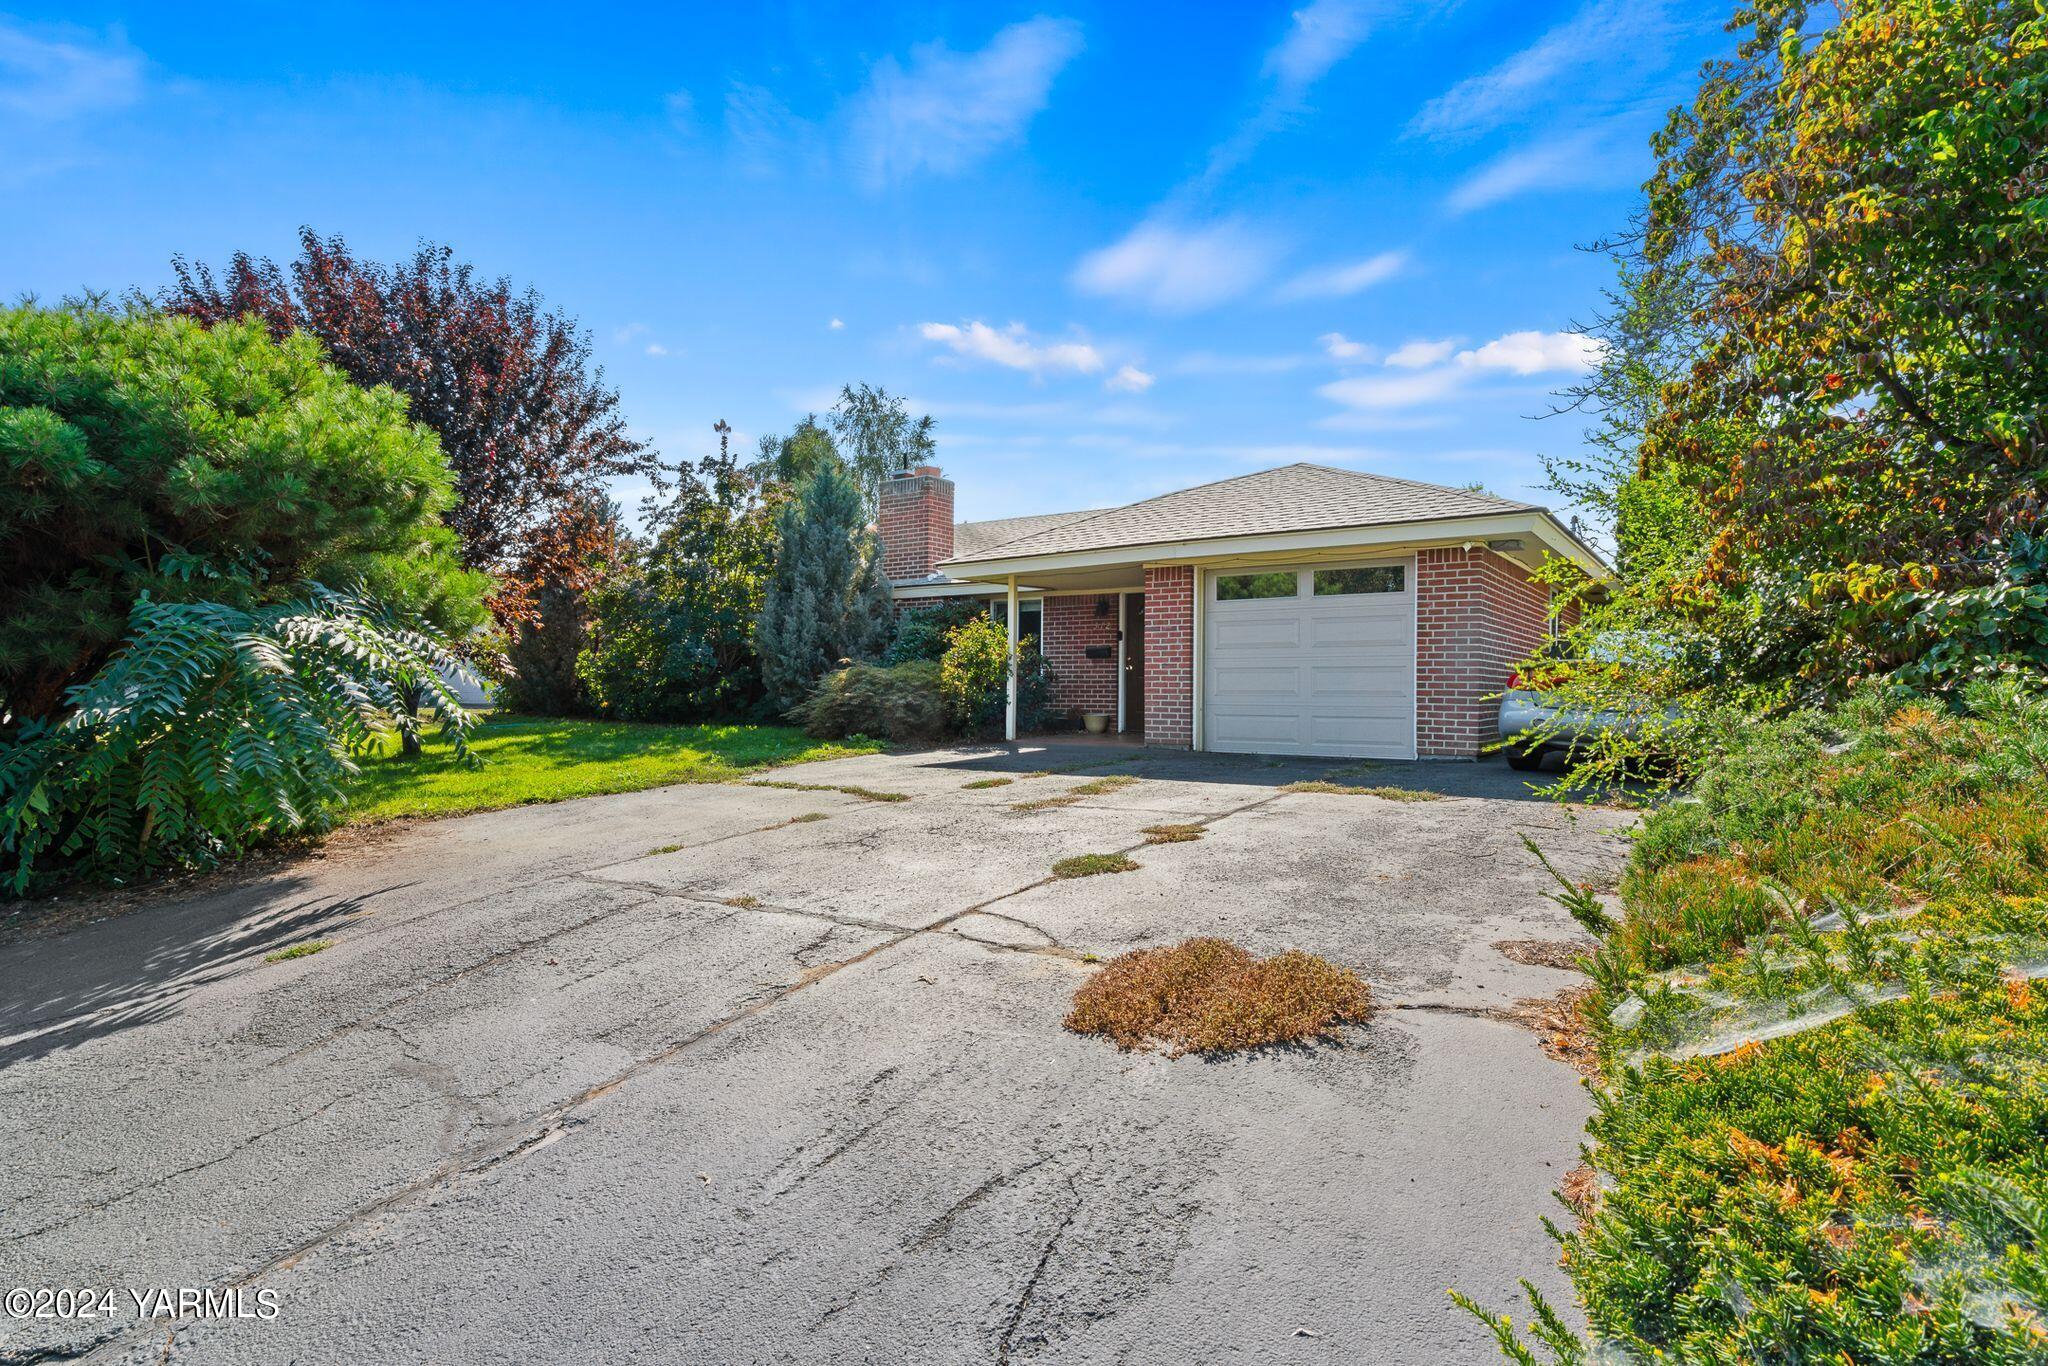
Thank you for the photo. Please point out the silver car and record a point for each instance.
(1533, 726)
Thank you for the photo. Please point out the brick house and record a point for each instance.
(1299, 610)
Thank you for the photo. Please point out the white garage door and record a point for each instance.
(1313, 660)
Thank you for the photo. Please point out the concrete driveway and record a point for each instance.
(682, 1076)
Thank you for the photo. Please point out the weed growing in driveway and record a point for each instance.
(1212, 996)
(1115, 782)
(1044, 803)
(663, 849)
(810, 816)
(1390, 794)
(866, 794)
(1546, 953)
(305, 950)
(981, 783)
(1172, 834)
(745, 903)
(1088, 865)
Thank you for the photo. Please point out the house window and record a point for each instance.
(1280, 583)
(1030, 618)
(1386, 578)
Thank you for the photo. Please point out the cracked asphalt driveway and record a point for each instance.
(796, 1089)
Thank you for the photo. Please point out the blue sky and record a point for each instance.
(1113, 248)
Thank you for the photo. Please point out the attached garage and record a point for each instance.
(1310, 659)
(1301, 610)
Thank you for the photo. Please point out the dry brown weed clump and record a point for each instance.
(1213, 996)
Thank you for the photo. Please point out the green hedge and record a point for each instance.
(1824, 1130)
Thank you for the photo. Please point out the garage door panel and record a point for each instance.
(1245, 680)
(1262, 631)
(1239, 728)
(1376, 631)
(1359, 732)
(1338, 682)
(1328, 675)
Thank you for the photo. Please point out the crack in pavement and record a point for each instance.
(373, 1019)
(549, 1124)
(239, 1146)
(1037, 1274)
(941, 1226)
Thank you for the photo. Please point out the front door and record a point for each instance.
(1134, 663)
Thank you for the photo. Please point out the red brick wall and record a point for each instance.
(1476, 616)
(1070, 627)
(915, 522)
(1169, 655)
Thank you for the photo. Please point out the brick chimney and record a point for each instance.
(915, 522)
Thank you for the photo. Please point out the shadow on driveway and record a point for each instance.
(52, 997)
(1490, 778)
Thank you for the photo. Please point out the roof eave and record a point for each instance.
(1538, 522)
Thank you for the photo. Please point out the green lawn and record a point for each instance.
(530, 760)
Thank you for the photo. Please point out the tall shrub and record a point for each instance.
(174, 680)
(541, 659)
(826, 599)
(672, 633)
(151, 456)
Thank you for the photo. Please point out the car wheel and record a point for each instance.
(1525, 760)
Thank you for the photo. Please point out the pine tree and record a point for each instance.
(826, 600)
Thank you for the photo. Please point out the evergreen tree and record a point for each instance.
(152, 458)
(672, 634)
(826, 599)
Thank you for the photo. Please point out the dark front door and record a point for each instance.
(1134, 663)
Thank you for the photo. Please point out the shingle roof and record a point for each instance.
(1291, 498)
(971, 538)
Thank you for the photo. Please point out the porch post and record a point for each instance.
(1120, 618)
(1010, 712)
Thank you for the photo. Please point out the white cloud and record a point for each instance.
(1320, 36)
(1394, 391)
(1178, 269)
(1575, 159)
(1417, 355)
(946, 110)
(656, 349)
(1607, 41)
(1536, 353)
(764, 132)
(1435, 370)
(1210, 363)
(1341, 281)
(681, 107)
(1013, 347)
(50, 79)
(836, 325)
(1128, 379)
(1341, 348)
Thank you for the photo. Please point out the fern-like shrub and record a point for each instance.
(212, 728)
(899, 702)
